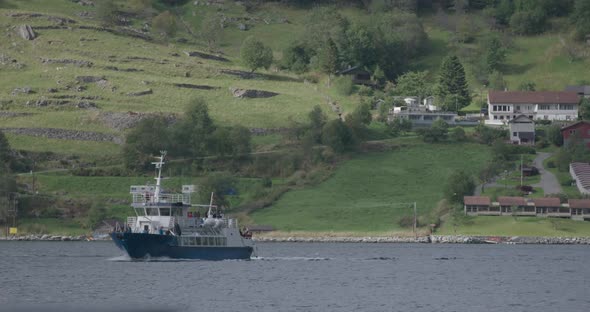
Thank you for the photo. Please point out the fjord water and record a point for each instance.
(96, 276)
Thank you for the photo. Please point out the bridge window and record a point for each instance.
(151, 211)
(165, 211)
(177, 212)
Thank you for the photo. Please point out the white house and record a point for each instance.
(522, 130)
(504, 106)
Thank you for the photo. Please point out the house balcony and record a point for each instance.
(559, 214)
(484, 213)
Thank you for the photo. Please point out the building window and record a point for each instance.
(544, 107)
(514, 134)
(573, 131)
(567, 107)
(495, 108)
(495, 117)
(531, 117)
(502, 117)
(517, 107)
(545, 117)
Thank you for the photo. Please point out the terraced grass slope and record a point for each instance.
(132, 61)
(47, 73)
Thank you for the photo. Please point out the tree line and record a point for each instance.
(194, 136)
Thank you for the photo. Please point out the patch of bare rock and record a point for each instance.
(89, 79)
(140, 93)
(194, 86)
(64, 134)
(79, 63)
(82, 104)
(22, 90)
(8, 61)
(238, 73)
(129, 70)
(248, 93)
(57, 19)
(122, 121)
(13, 114)
(206, 56)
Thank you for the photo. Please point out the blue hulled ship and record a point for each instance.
(168, 225)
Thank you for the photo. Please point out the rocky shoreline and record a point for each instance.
(46, 237)
(431, 239)
(437, 239)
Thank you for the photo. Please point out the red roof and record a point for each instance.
(533, 97)
(476, 200)
(579, 203)
(511, 201)
(547, 202)
(575, 125)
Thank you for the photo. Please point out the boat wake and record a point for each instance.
(290, 259)
(120, 259)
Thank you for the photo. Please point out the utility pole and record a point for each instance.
(521, 172)
(413, 206)
(415, 221)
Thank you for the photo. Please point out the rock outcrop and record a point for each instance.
(193, 86)
(53, 133)
(247, 93)
(89, 79)
(140, 93)
(122, 121)
(78, 63)
(206, 56)
(26, 32)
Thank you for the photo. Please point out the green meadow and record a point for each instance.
(364, 193)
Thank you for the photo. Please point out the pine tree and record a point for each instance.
(452, 89)
(495, 55)
(328, 59)
(5, 156)
(581, 19)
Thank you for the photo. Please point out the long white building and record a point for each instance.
(504, 106)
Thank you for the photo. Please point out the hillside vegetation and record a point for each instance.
(71, 97)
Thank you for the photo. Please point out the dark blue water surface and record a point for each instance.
(96, 276)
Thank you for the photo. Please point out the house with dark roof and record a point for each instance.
(580, 209)
(522, 130)
(515, 205)
(359, 75)
(479, 205)
(577, 209)
(579, 130)
(504, 106)
(580, 173)
(582, 91)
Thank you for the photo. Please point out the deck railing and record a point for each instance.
(164, 198)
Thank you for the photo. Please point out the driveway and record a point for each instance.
(549, 182)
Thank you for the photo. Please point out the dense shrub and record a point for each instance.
(344, 85)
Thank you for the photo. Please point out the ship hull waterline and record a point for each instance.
(142, 246)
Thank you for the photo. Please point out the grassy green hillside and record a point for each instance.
(360, 194)
(363, 192)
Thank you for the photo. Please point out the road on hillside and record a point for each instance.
(549, 182)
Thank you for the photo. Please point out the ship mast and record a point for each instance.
(158, 178)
